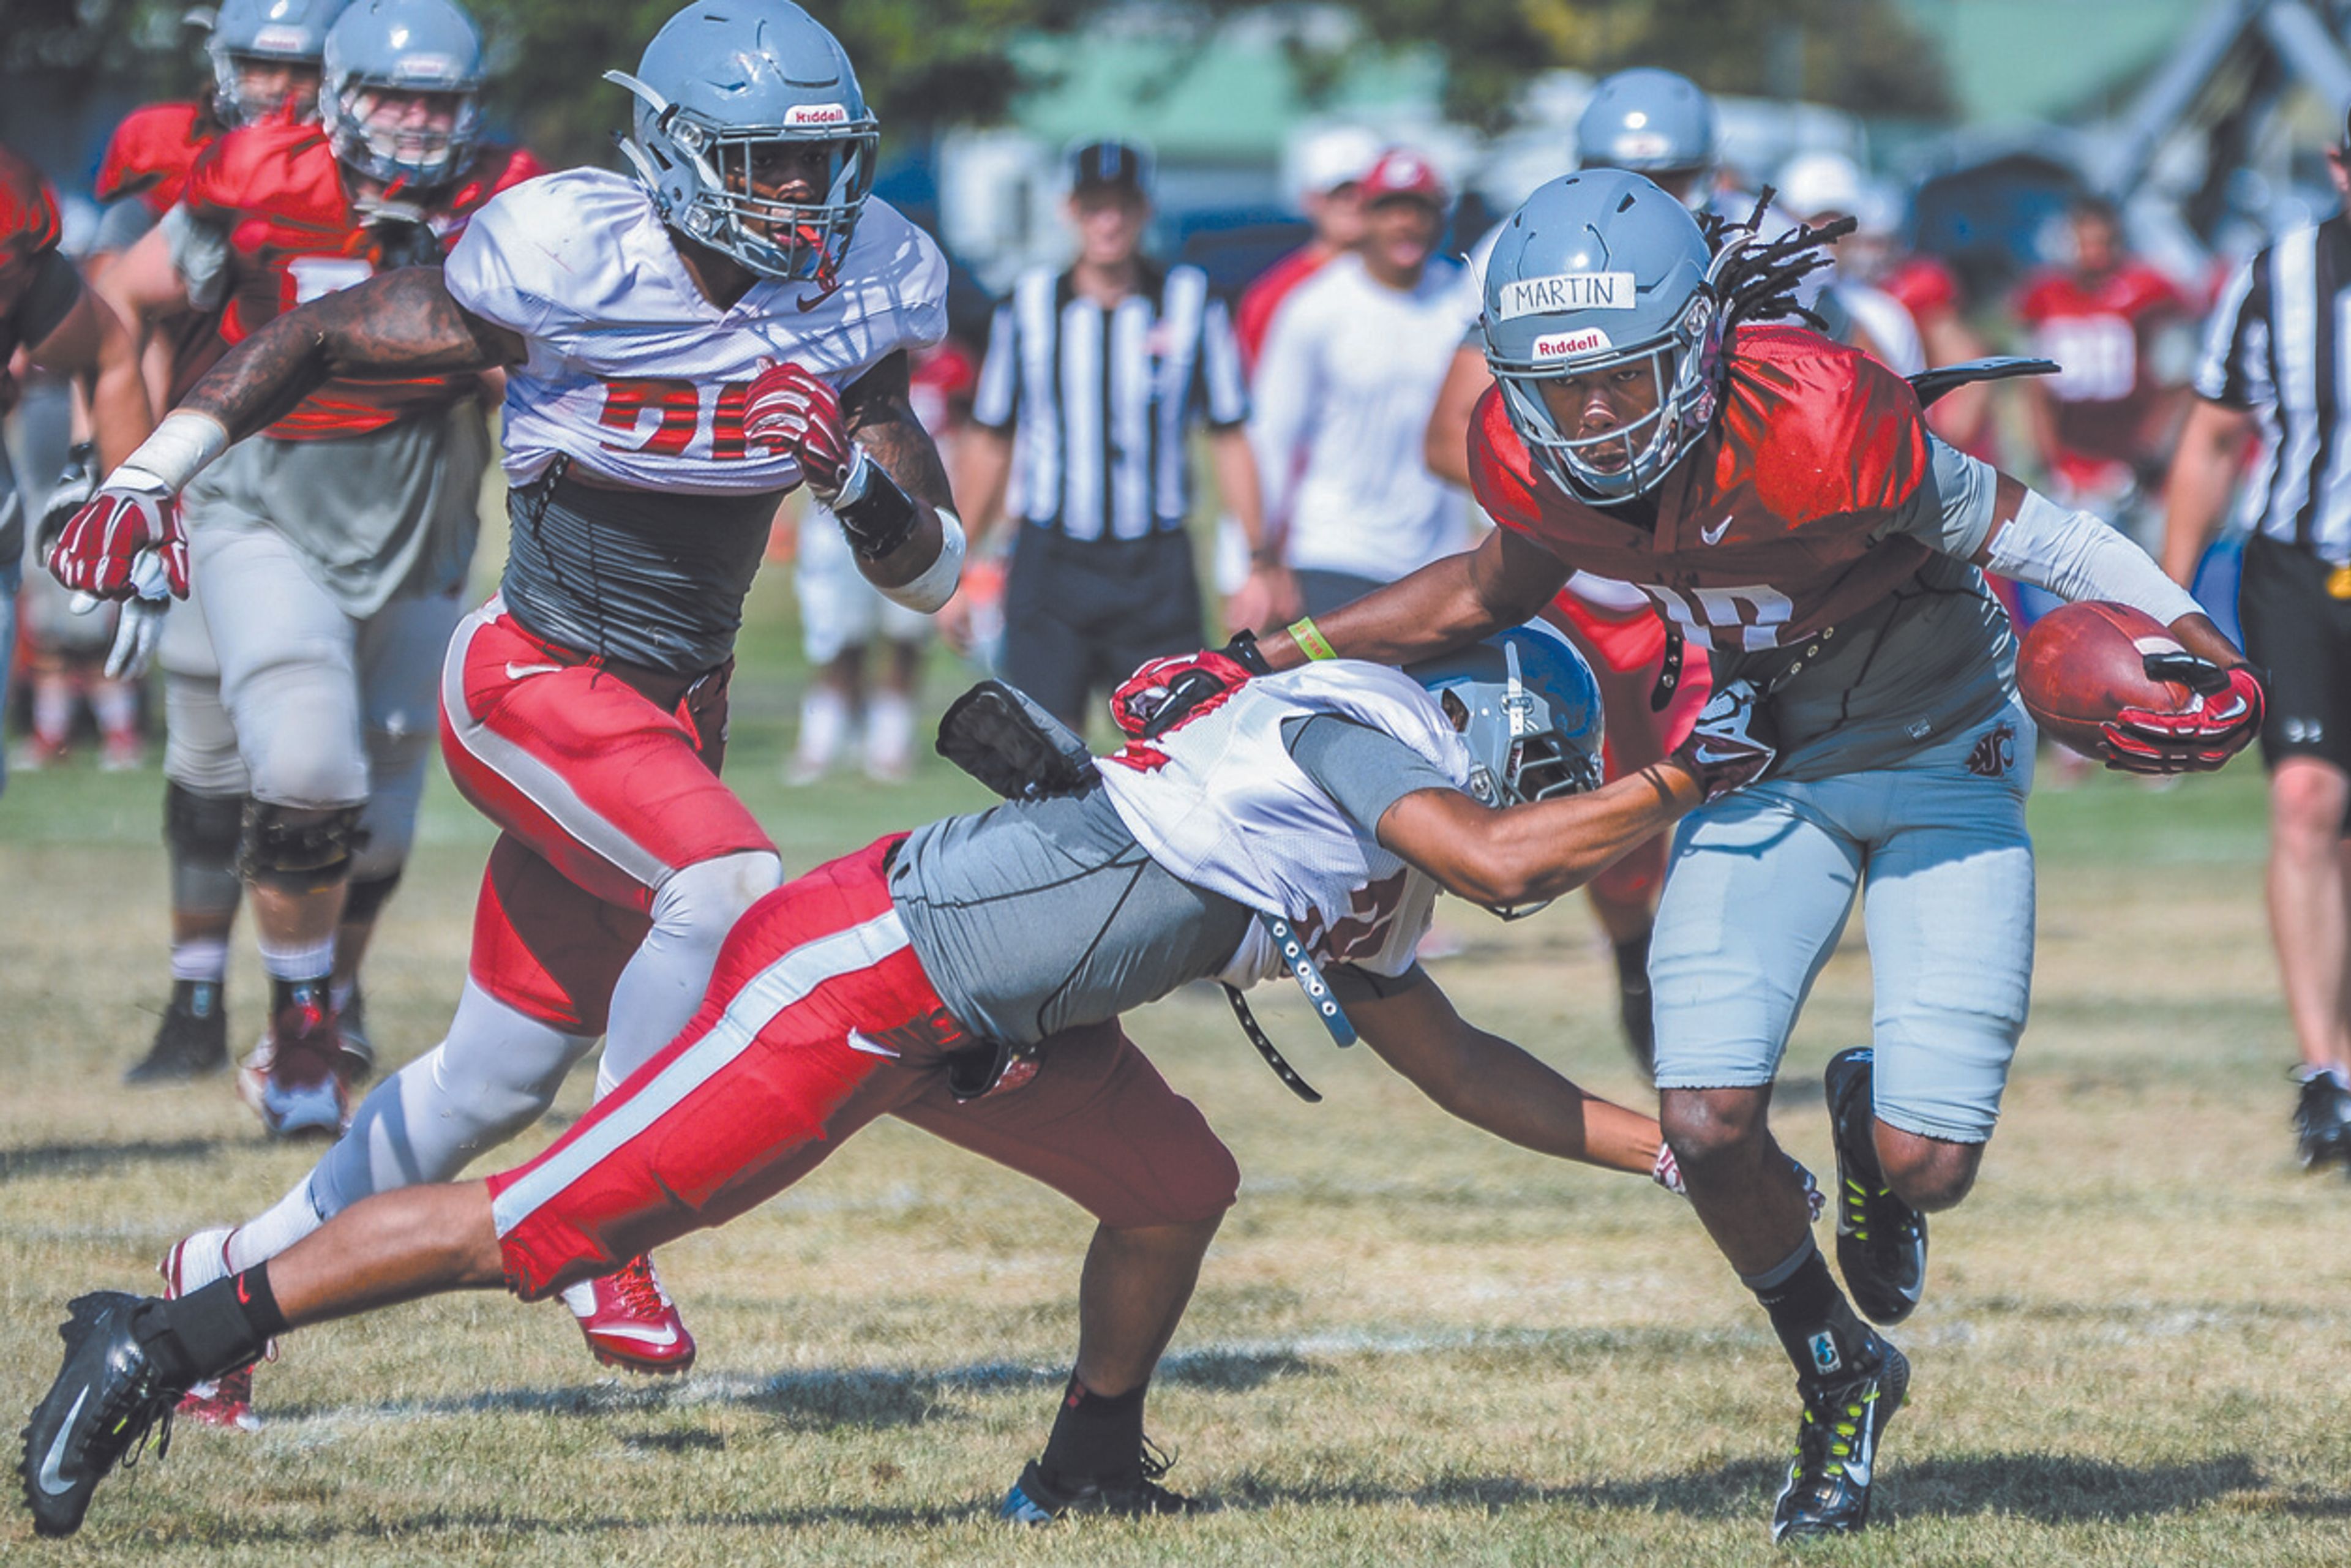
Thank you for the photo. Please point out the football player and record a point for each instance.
(264, 61)
(1780, 499)
(45, 310)
(681, 348)
(968, 977)
(333, 550)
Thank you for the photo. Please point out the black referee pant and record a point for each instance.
(1081, 614)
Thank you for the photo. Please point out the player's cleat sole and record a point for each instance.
(1039, 1498)
(1881, 1241)
(107, 1397)
(630, 1323)
(1831, 1480)
(191, 1042)
(2322, 1123)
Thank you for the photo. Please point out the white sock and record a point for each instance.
(889, 733)
(53, 711)
(824, 721)
(116, 705)
(293, 965)
(200, 958)
(280, 1226)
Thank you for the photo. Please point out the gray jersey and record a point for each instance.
(634, 575)
(1936, 657)
(1038, 916)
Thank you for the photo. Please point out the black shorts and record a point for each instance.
(2300, 634)
(1081, 614)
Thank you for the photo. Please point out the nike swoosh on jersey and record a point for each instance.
(870, 1047)
(662, 1336)
(517, 671)
(1713, 536)
(51, 1482)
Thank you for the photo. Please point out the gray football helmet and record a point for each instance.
(292, 32)
(722, 80)
(403, 46)
(1599, 269)
(1648, 120)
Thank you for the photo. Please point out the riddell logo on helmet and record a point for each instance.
(1568, 291)
(277, 40)
(1562, 345)
(804, 114)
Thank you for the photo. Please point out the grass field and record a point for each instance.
(1411, 1344)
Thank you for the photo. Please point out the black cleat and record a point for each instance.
(1881, 1241)
(107, 1396)
(2322, 1123)
(1827, 1490)
(1041, 1499)
(355, 1059)
(193, 1038)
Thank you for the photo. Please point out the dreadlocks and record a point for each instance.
(1755, 278)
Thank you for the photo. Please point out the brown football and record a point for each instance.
(2082, 664)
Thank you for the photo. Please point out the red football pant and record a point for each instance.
(1626, 651)
(605, 781)
(819, 1019)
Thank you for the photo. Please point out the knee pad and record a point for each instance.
(202, 833)
(364, 899)
(297, 848)
(710, 895)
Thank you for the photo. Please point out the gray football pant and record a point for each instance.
(1758, 892)
(311, 707)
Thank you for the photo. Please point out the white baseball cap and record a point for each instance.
(1812, 184)
(1340, 156)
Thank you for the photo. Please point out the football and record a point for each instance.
(2082, 664)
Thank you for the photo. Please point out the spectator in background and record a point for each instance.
(847, 626)
(1819, 188)
(1094, 381)
(1350, 373)
(2270, 366)
(2121, 334)
(1331, 166)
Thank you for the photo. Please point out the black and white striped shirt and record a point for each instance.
(2277, 346)
(1098, 401)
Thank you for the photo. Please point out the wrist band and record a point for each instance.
(872, 510)
(176, 452)
(937, 583)
(1310, 639)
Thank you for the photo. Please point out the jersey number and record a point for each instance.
(679, 409)
(1746, 619)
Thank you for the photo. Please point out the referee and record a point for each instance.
(1093, 379)
(2272, 363)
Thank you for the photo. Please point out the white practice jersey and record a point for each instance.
(1220, 803)
(635, 376)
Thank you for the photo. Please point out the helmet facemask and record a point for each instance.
(233, 105)
(423, 152)
(1524, 757)
(1625, 460)
(703, 174)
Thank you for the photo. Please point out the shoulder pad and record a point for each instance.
(495, 169)
(271, 170)
(1827, 430)
(1501, 475)
(28, 214)
(151, 151)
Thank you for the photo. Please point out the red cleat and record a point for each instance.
(630, 1322)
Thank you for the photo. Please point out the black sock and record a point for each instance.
(1632, 963)
(216, 1329)
(1097, 1437)
(1815, 1325)
(196, 998)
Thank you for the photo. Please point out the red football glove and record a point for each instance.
(2225, 717)
(101, 543)
(790, 410)
(1734, 744)
(1164, 692)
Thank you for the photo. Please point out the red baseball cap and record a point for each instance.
(1401, 171)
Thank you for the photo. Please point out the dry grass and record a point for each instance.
(1412, 1344)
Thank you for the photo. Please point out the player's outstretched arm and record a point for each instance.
(1446, 604)
(398, 325)
(1491, 1084)
(1529, 853)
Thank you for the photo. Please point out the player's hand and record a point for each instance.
(132, 511)
(793, 412)
(1667, 1172)
(2220, 722)
(140, 625)
(76, 485)
(1735, 742)
(1164, 692)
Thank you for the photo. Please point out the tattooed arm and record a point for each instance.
(878, 414)
(392, 327)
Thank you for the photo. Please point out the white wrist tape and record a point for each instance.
(2075, 556)
(929, 591)
(181, 448)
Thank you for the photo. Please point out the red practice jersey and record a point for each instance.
(1766, 529)
(151, 153)
(295, 235)
(2099, 331)
(1922, 285)
(28, 231)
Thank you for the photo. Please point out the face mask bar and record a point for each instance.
(411, 155)
(230, 104)
(801, 240)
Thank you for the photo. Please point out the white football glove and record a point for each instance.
(141, 624)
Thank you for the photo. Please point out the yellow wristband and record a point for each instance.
(1310, 639)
